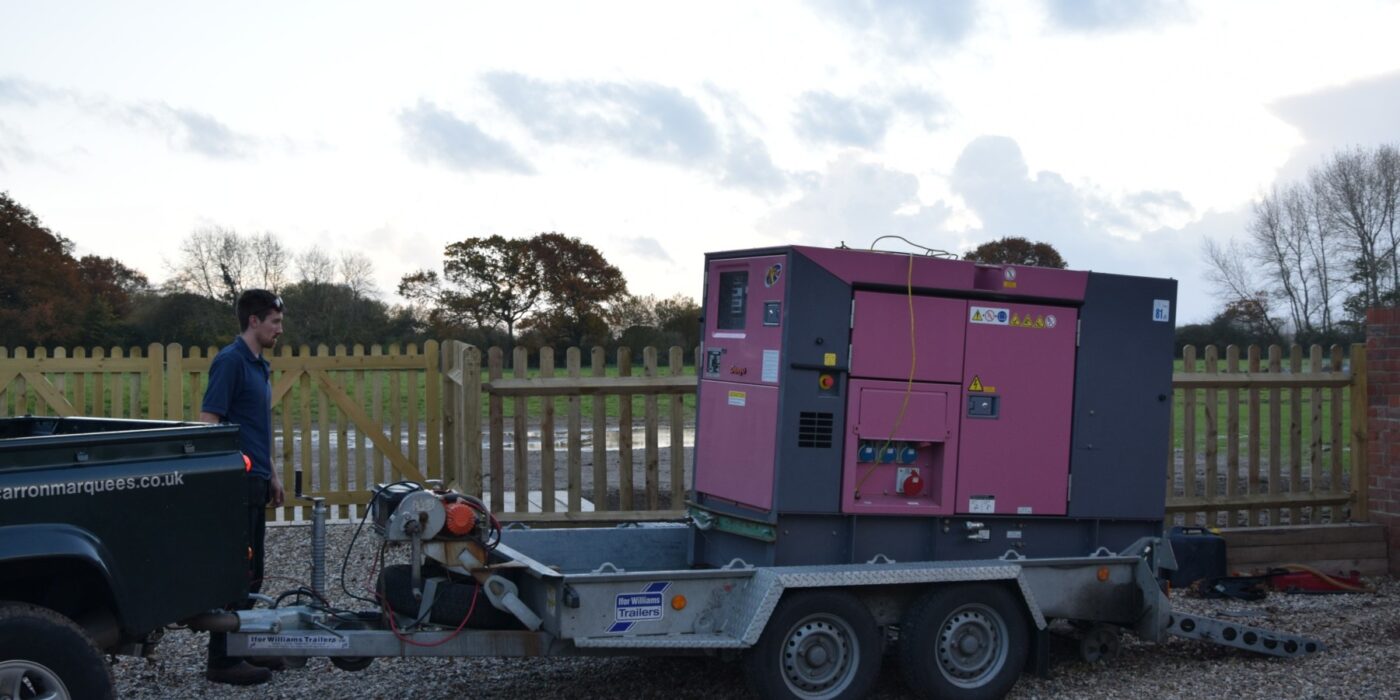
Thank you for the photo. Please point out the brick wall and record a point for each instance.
(1383, 423)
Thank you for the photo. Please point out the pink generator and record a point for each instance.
(858, 403)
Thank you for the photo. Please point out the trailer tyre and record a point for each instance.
(964, 642)
(818, 644)
(44, 654)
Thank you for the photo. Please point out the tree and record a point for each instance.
(183, 317)
(42, 295)
(1014, 250)
(558, 287)
(1235, 280)
(336, 314)
(485, 282)
(579, 285)
(1330, 238)
(315, 267)
(111, 290)
(679, 317)
(356, 271)
(219, 263)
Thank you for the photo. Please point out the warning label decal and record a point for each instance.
(990, 315)
(976, 384)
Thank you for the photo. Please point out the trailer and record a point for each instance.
(894, 452)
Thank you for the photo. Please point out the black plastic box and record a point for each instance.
(1200, 554)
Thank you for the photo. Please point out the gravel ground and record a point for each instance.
(1362, 631)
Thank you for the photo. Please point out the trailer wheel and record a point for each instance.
(818, 644)
(963, 642)
(45, 655)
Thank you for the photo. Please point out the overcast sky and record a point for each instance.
(1120, 131)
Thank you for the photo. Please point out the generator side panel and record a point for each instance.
(812, 414)
(737, 402)
(1122, 398)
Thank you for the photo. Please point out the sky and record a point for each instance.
(1122, 132)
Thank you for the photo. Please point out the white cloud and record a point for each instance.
(855, 201)
(435, 135)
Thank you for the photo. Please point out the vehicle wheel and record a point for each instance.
(45, 655)
(351, 663)
(965, 641)
(818, 644)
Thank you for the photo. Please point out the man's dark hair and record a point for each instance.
(256, 302)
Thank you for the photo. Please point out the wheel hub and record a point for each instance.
(818, 657)
(972, 645)
(21, 678)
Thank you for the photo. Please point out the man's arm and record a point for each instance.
(207, 417)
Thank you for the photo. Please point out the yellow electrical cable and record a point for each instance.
(908, 387)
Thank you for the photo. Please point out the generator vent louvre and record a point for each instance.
(814, 429)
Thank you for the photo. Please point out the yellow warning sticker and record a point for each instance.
(737, 398)
(829, 359)
(976, 384)
(1016, 320)
(1008, 284)
(976, 315)
(1039, 321)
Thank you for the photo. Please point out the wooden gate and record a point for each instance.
(117, 383)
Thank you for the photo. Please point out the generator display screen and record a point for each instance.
(733, 297)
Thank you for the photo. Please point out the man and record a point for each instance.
(240, 391)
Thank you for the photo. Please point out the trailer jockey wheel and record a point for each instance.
(964, 641)
(352, 663)
(1100, 643)
(818, 644)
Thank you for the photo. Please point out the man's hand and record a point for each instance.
(275, 494)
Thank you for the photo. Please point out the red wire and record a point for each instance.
(394, 625)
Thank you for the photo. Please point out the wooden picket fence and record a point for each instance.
(1261, 441)
(558, 488)
(1257, 439)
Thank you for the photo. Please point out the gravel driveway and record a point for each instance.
(1362, 631)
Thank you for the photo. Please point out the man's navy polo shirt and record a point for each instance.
(240, 390)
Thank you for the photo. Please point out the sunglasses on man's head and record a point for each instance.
(277, 304)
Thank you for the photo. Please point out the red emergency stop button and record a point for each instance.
(826, 381)
(247, 463)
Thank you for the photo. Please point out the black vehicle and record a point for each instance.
(109, 531)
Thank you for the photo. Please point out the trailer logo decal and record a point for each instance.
(990, 315)
(643, 606)
(310, 640)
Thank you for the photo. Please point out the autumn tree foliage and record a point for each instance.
(557, 286)
(1014, 250)
(49, 297)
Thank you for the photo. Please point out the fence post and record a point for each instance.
(469, 415)
(1360, 447)
(432, 407)
(451, 422)
(155, 367)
